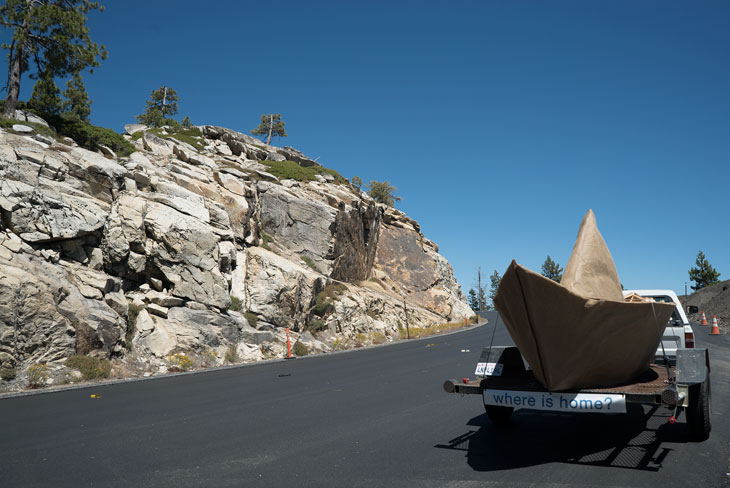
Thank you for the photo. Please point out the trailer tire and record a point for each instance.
(699, 411)
(499, 415)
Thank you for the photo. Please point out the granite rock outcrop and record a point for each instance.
(199, 248)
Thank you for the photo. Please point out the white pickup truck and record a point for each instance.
(678, 334)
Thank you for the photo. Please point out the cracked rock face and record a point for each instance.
(42, 214)
(175, 249)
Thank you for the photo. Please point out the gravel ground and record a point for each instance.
(713, 300)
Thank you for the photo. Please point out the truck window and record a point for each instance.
(675, 319)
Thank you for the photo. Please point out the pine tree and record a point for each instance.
(45, 99)
(496, 279)
(186, 123)
(472, 300)
(271, 125)
(481, 296)
(77, 105)
(356, 182)
(482, 300)
(704, 274)
(552, 270)
(53, 35)
(161, 105)
(383, 192)
(152, 118)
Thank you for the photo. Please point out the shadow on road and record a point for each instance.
(633, 440)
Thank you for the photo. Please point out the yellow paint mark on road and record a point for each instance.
(430, 345)
(95, 395)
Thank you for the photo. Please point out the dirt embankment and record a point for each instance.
(713, 300)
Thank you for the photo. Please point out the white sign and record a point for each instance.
(556, 402)
(489, 369)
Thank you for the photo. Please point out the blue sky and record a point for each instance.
(500, 122)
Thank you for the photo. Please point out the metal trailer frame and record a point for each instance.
(685, 386)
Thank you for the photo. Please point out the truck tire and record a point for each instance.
(499, 415)
(699, 411)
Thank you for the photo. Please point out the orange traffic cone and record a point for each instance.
(715, 329)
(704, 319)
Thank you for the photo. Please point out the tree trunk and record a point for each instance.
(271, 127)
(480, 295)
(16, 70)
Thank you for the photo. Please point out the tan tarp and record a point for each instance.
(590, 271)
(582, 335)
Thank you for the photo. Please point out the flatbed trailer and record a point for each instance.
(505, 384)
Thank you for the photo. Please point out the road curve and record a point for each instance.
(375, 417)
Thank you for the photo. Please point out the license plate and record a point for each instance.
(556, 402)
(489, 369)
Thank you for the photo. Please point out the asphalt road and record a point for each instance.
(375, 417)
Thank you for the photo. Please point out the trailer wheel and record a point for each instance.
(699, 410)
(499, 415)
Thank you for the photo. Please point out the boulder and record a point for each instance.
(32, 154)
(23, 129)
(182, 152)
(185, 251)
(200, 160)
(227, 253)
(301, 224)
(7, 155)
(124, 238)
(157, 145)
(141, 160)
(97, 176)
(238, 277)
(292, 154)
(44, 317)
(132, 128)
(278, 290)
(158, 310)
(182, 200)
(43, 139)
(107, 152)
(187, 330)
(164, 300)
(44, 215)
(29, 117)
(223, 150)
(236, 141)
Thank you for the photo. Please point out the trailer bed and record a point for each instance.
(506, 384)
(653, 381)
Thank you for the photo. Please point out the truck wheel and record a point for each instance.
(499, 415)
(699, 410)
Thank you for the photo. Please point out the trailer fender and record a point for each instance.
(693, 366)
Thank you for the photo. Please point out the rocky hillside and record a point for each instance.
(713, 300)
(194, 245)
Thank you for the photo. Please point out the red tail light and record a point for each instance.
(689, 340)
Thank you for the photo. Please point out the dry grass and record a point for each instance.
(376, 337)
(179, 362)
(91, 368)
(37, 375)
(416, 332)
(231, 355)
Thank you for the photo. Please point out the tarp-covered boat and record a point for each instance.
(580, 333)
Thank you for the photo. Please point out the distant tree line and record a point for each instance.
(478, 299)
